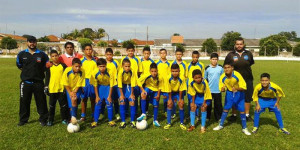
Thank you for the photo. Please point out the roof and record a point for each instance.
(141, 42)
(199, 42)
(53, 38)
(177, 39)
(16, 37)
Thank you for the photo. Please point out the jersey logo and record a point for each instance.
(38, 59)
(235, 58)
(246, 57)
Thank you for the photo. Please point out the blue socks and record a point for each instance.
(203, 118)
(279, 118)
(82, 115)
(97, 111)
(243, 119)
(110, 112)
(143, 103)
(256, 118)
(223, 117)
(174, 108)
(74, 111)
(132, 113)
(169, 113)
(192, 117)
(155, 112)
(122, 112)
(181, 114)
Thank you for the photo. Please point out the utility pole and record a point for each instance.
(147, 36)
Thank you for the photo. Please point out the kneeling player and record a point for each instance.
(235, 96)
(200, 97)
(103, 83)
(267, 95)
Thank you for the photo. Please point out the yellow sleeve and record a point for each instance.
(161, 83)
(182, 85)
(191, 90)
(221, 84)
(111, 80)
(242, 83)
(81, 81)
(65, 79)
(133, 80)
(141, 80)
(255, 92)
(119, 80)
(93, 79)
(140, 65)
(167, 85)
(279, 91)
(207, 93)
(203, 69)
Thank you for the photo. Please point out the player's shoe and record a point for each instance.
(22, 123)
(133, 124)
(50, 123)
(285, 131)
(82, 119)
(167, 126)
(65, 122)
(255, 129)
(191, 128)
(182, 126)
(93, 124)
(246, 131)
(156, 123)
(174, 116)
(218, 128)
(142, 117)
(111, 123)
(117, 116)
(202, 130)
(122, 125)
(73, 120)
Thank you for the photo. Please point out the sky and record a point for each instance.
(128, 19)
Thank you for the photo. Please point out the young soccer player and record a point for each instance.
(113, 68)
(73, 80)
(55, 90)
(235, 85)
(200, 97)
(103, 83)
(212, 75)
(153, 84)
(126, 83)
(89, 65)
(175, 87)
(267, 95)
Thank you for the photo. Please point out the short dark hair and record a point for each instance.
(101, 61)
(53, 51)
(196, 53)
(175, 66)
(196, 72)
(69, 43)
(146, 49)
(87, 44)
(109, 50)
(178, 50)
(76, 61)
(240, 39)
(153, 65)
(125, 61)
(265, 75)
(163, 49)
(214, 55)
(130, 46)
(227, 63)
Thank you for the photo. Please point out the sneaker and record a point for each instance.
(43, 124)
(122, 125)
(182, 126)
(191, 128)
(82, 119)
(246, 131)
(249, 118)
(93, 124)
(65, 122)
(50, 123)
(74, 120)
(142, 117)
(255, 129)
(21, 123)
(218, 128)
(156, 123)
(174, 116)
(203, 130)
(117, 116)
(167, 126)
(132, 124)
(285, 131)
(232, 118)
(111, 123)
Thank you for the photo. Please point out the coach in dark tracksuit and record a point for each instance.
(242, 61)
(32, 63)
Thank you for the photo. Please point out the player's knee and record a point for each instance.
(203, 109)
(170, 104)
(131, 103)
(143, 96)
(181, 104)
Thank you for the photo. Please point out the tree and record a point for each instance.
(291, 36)
(75, 34)
(8, 43)
(147, 46)
(117, 53)
(209, 45)
(272, 43)
(84, 41)
(176, 34)
(128, 42)
(228, 40)
(43, 39)
(114, 43)
(88, 33)
(42, 47)
(100, 33)
(102, 44)
(296, 51)
(180, 46)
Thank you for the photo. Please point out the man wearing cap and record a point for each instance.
(32, 63)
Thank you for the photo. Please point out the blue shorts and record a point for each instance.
(137, 91)
(78, 94)
(267, 103)
(88, 90)
(236, 99)
(126, 91)
(114, 94)
(166, 95)
(199, 99)
(103, 92)
(150, 95)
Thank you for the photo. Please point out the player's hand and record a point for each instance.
(257, 108)
(170, 103)
(193, 107)
(164, 96)
(49, 64)
(144, 93)
(97, 99)
(122, 97)
(46, 90)
(234, 89)
(277, 105)
(157, 97)
(132, 97)
(204, 105)
(109, 99)
(223, 88)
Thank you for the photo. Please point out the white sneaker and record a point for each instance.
(246, 131)
(74, 120)
(218, 128)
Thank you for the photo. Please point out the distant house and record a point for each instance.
(54, 38)
(16, 37)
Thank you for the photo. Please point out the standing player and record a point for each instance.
(235, 85)
(69, 54)
(267, 95)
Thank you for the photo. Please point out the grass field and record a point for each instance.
(34, 136)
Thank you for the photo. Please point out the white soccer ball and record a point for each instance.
(141, 125)
(72, 128)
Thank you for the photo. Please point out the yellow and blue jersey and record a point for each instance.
(113, 68)
(150, 82)
(73, 80)
(98, 78)
(236, 80)
(164, 69)
(191, 67)
(145, 66)
(128, 78)
(53, 78)
(183, 68)
(201, 88)
(89, 66)
(175, 85)
(273, 91)
(134, 64)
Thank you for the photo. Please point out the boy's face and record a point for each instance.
(76, 67)
(109, 56)
(153, 72)
(130, 52)
(146, 54)
(178, 55)
(54, 57)
(175, 72)
(195, 58)
(228, 69)
(102, 68)
(214, 61)
(88, 51)
(126, 67)
(69, 49)
(163, 54)
(265, 82)
(198, 78)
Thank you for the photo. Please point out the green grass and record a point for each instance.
(33, 136)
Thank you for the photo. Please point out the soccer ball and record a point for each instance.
(141, 125)
(72, 128)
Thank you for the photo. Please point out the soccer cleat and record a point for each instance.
(156, 123)
(249, 118)
(21, 123)
(65, 122)
(93, 124)
(122, 125)
(218, 128)
(111, 123)
(173, 117)
(50, 123)
(255, 129)
(232, 118)
(182, 126)
(74, 120)
(285, 131)
(166, 115)
(203, 130)
(167, 126)
(142, 117)
(132, 124)
(117, 117)
(246, 131)
(82, 119)
(191, 128)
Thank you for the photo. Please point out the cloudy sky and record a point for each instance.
(127, 19)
